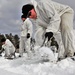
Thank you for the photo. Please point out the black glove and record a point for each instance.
(48, 35)
(28, 35)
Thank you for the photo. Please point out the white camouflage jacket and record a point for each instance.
(26, 28)
(48, 14)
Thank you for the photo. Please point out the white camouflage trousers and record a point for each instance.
(67, 33)
(24, 44)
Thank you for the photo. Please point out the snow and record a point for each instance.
(46, 53)
(24, 66)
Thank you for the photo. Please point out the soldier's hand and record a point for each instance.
(48, 35)
(28, 35)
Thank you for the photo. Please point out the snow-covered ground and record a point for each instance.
(21, 66)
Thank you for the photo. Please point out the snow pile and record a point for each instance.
(46, 53)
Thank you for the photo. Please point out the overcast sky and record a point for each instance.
(10, 12)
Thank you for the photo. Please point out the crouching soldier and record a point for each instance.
(8, 47)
